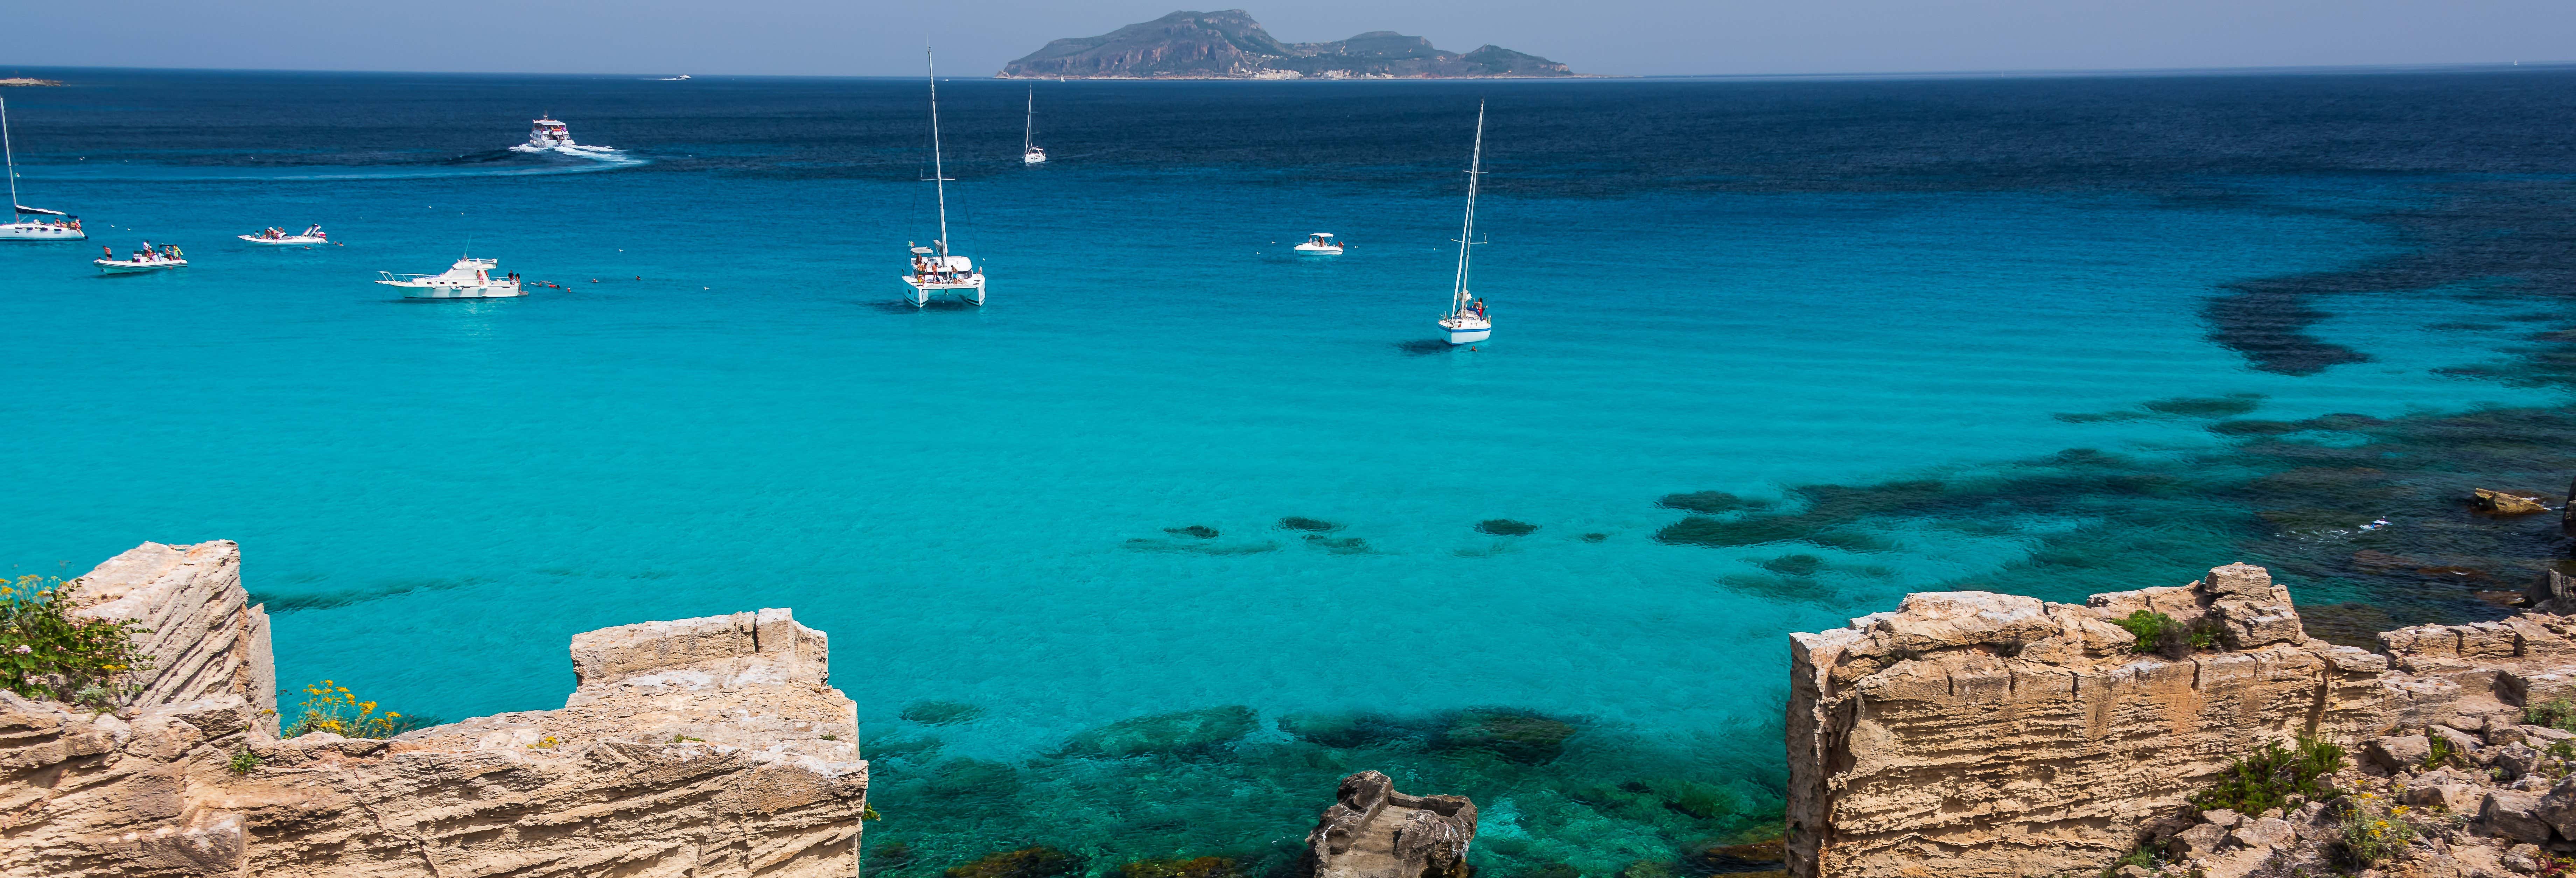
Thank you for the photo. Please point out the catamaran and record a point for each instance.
(934, 271)
(1030, 152)
(48, 225)
(1466, 320)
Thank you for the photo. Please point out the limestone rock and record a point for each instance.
(204, 635)
(1372, 831)
(2199, 841)
(2221, 818)
(2264, 833)
(2551, 591)
(2399, 752)
(2508, 502)
(2513, 815)
(2558, 808)
(2517, 760)
(713, 748)
(2461, 742)
(2525, 858)
(2460, 797)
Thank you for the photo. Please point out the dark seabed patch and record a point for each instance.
(1710, 502)
(1315, 525)
(288, 603)
(940, 713)
(1197, 531)
(1504, 527)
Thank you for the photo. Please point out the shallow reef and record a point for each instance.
(1504, 527)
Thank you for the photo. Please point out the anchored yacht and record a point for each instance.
(1030, 152)
(934, 271)
(469, 278)
(1321, 244)
(47, 225)
(1466, 321)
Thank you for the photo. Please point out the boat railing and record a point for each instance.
(390, 277)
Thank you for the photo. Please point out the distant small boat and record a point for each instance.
(150, 258)
(1030, 153)
(311, 236)
(549, 134)
(1321, 244)
(67, 228)
(469, 278)
(1466, 321)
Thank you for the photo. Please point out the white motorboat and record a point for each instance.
(469, 278)
(150, 258)
(1030, 152)
(548, 134)
(1321, 244)
(1466, 321)
(935, 272)
(311, 236)
(47, 225)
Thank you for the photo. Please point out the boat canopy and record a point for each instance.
(921, 251)
(38, 210)
(1321, 235)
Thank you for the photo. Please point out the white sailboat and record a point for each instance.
(1466, 320)
(48, 225)
(934, 271)
(1030, 152)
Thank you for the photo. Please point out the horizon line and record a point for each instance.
(2010, 73)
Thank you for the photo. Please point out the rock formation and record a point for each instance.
(1230, 45)
(701, 747)
(205, 637)
(1996, 735)
(1372, 831)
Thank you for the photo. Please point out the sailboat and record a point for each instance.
(934, 271)
(1466, 320)
(1030, 152)
(64, 228)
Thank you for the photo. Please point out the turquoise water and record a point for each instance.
(980, 506)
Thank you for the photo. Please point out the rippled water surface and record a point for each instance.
(1138, 559)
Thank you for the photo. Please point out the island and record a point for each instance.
(6, 81)
(1230, 45)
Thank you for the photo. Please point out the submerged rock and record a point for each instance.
(1199, 531)
(1519, 736)
(1184, 731)
(1314, 525)
(1033, 862)
(1372, 831)
(1202, 867)
(940, 713)
(1709, 502)
(2508, 502)
(1504, 527)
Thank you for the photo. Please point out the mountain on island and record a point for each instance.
(1230, 45)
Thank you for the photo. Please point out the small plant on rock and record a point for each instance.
(2204, 634)
(2149, 627)
(2441, 753)
(46, 652)
(2370, 837)
(243, 761)
(2144, 856)
(2556, 713)
(332, 708)
(2269, 777)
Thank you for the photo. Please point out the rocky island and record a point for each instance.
(1230, 45)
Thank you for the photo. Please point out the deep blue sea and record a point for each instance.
(1138, 559)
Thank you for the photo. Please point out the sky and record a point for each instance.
(975, 37)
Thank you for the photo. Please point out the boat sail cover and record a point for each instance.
(38, 210)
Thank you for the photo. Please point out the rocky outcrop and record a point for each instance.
(1230, 45)
(2508, 502)
(1372, 831)
(2000, 735)
(205, 637)
(701, 747)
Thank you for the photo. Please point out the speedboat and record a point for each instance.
(312, 235)
(1466, 321)
(469, 278)
(47, 225)
(1321, 244)
(548, 134)
(935, 272)
(150, 258)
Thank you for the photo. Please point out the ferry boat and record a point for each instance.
(47, 225)
(469, 278)
(150, 258)
(1321, 244)
(934, 271)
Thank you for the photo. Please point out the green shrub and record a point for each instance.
(2144, 856)
(243, 761)
(2149, 627)
(2441, 753)
(2556, 713)
(2270, 776)
(2369, 837)
(45, 652)
(2203, 635)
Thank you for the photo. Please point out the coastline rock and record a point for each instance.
(1372, 831)
(204, 635)
(2508, 502)
(709, 747)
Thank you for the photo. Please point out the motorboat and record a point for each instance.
(549, 134)
(46, 225)
(150, 258)
(311, 236)
(935, 271)
(1466, 321)
(1321, 244)
(469, 278)
(1030, 152)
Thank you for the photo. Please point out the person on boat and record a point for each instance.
(1480, 309)
(106, 252)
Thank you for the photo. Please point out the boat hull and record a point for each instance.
(1467, 333)
(40, 232)
(1312, 250)
(121, 267)
(291, 241)
(919, 294)
(492, 291)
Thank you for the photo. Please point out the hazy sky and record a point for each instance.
(1643, 37)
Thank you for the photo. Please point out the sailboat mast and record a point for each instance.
(1029, 130)
(12, 157)
(937, 174)
(1467, 227)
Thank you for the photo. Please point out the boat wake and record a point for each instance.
(609, 155)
